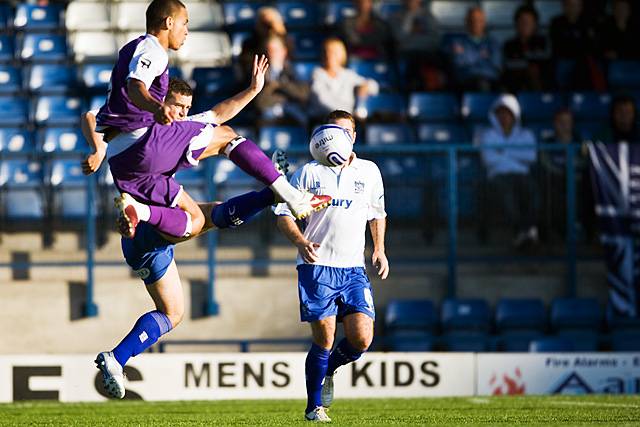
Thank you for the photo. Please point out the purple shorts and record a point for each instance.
(145, 170)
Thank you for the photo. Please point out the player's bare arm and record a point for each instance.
(290, 229)
(92, 162)
(142, 99)
(229, 108)
(379, 259)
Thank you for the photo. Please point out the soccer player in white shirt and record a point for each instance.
(332, 282)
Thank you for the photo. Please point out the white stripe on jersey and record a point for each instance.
(148, 61)
(358, 196)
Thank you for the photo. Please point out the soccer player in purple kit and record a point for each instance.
(145, 138)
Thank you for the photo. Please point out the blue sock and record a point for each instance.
(238, 210)
(315, 368)
(341, 355)
(149, 327)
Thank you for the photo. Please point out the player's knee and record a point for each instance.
(324, 342)
(360, 342)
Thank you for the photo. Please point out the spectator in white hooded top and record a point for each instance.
(508, 169)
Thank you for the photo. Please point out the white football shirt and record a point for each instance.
(358, 197)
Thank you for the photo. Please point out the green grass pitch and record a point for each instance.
(505, 411)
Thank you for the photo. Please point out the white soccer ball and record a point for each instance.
(331, 145)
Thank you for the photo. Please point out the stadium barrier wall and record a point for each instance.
(221, 376)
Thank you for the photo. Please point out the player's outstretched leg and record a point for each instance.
(112, 374)
(315, 368)
(174, 222)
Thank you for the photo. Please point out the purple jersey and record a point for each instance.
(143, 59)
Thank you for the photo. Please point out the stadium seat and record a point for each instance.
(299, 14)
(465, 341)
(6, 16)
(33, 17)
(206, 48)
(13, 111)
(550, 345)
(537, 106)
(204, 16)
(10, 79)
(451, 14)
(520, 314)
(237, 39)
(590, 105)
(128, 15)
(192, 177)
(405, 194)
(387, 9)
(176, 71)
(304, 69)
(16, 140)
(499, 13)
(476, 105)
(408, 341)
(93, 46)
(214, 81)
(411, 315)
(542, 131)
(51, 78)
(43, 47)
(22, 182)
(547, 10)
(87, 16)
(590, 129)
(58, 110)
(70, 194)
(240, 14)
(307, 45)
(337, 10)
(433, 107)
(96, 77)
(624, 75)
(380, 71)
(625, 340)
(442, 133)
(97, 101)
(386, 134)
(384, 105)
(517, 341)
(282, 137)
(578, 320)
(7, 48)
(465, 315)
(57, 140)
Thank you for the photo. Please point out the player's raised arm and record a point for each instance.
(229, 108)
(98, 147)
(140, 96)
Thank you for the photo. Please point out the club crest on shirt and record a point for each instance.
(359, 187)
(316, 188)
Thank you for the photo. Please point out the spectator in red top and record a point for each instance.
(366, 35)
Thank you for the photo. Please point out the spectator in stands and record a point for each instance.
(573, 42)
(526, 55)
(474, 56)
(619, 36)
(509, 169)
(623, 122)
(334, 87)
(417, 37)
(284, 97)
(366, 35)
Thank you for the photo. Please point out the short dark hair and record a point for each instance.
(180, 87)
(340, 114)
(526, 9)
(159, 10)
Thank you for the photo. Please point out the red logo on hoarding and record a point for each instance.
(508, 385)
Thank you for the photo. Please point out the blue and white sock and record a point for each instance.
(149, 327)
(238, 210)
(315, 368)
(341, 355)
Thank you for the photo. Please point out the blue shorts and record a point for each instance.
(331, 291)
(148, 253)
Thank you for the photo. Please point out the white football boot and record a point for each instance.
(112, 374)
(318, 415)
(327, 391)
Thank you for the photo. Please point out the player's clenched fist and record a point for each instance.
(165, 115)
(308, 252)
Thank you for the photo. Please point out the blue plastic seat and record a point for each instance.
(517, 341)
(385, 104)
(499, 13)
(386, 134)
(70, 195)
(433, 107)
(520, 314)
(625, 340)
(411, 315)
(97, 101)
(550, 345)
(214, 80)
(10, 79)
(33, 17)
(6, 16)
(299, 14)
(537, 106)
(307, 45)
(579, 320)
(442, 133)
(465, 341)
(14, 111)
(387, 9)
(476, 105)
(58, 110)
(20, 174)
(451, 14)
(44, 47)
(590, 105)
(282, 137)
(337, 10)
(7, 47)
(237, 39)
(590, 129)
(16, 140)
(52, 78)
(410, 341)
(304, 69)
(624, 74)
(96, 77)
(240, 14)
(380, 71)
(617, 322)
(547, 10)
(192, 177)
(58, 140)
(469, 314)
